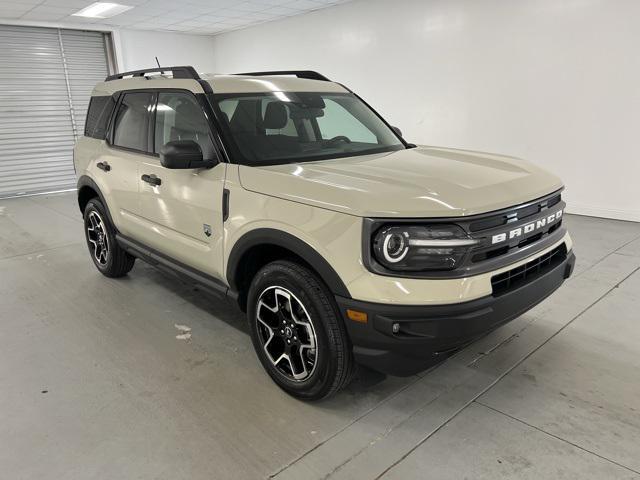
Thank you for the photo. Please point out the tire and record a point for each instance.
(111, 260)
(285, 343)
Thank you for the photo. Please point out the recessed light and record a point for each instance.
(102, 10)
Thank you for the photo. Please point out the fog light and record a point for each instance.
(395, 328)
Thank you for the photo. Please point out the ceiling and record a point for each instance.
(203, 17)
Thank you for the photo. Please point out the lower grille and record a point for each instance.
(514, 278)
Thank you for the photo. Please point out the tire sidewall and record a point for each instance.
(277, 275)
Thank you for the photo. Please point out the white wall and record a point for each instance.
(138, 49)
(555, 81)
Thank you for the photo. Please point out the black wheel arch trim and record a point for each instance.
(278, 238)
(86, 181)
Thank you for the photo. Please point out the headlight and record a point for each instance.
(415, 248)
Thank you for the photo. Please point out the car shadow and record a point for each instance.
(224, 310)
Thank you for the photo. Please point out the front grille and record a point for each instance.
(489, 253)
(506, 220)
(514, 278)
(524, 212)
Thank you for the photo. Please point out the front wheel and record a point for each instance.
(297, 333)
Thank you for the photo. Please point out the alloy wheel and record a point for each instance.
(286, 333)
(98, 239)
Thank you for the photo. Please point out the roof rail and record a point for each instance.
(178, 72)
(308, 74)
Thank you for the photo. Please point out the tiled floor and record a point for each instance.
(94, 383)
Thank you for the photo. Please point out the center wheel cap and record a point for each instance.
(288, 332)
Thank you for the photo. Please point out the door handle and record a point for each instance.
(151, 180)
(103, 166)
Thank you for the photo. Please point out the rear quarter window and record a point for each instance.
(100, 109)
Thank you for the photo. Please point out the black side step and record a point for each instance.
(186, 273)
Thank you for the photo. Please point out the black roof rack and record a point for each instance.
(178, 72)
(308, 74)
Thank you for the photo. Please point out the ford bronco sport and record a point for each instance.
(286, 193)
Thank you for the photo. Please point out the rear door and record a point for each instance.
(116, 163)
(183, 213)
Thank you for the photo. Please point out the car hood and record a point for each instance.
(417, 182)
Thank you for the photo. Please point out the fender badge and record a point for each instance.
(207, 229)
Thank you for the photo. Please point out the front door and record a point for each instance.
(183, 208)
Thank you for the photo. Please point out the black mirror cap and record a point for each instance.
(397, 131)
(184, 154)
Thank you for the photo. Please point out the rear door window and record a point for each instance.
(131, 126)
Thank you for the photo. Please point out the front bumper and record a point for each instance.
(426, 335)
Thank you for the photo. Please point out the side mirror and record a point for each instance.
(397, 130)
(184, 154)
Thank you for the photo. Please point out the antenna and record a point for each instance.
(158, 62)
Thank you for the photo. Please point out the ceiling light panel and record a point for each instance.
(102, 10)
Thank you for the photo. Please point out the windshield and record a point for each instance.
(287, 127)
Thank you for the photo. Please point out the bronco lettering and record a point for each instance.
(528, 228)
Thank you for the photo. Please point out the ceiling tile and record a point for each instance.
(261, 16)
(54, 9)
(42, 17)
(212, 19)
(234, 22)
(250, 7)
(271, 3)
(14, 11)
(199, 17)
(180, 15)
(229, 13)
(283, 11)
(303, 5)
(26, 3)
(75, 4)
(83, 20)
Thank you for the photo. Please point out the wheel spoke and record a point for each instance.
(303, 363)
(269, 320)
(308, 329)
(261, 303)
(93, 220)
(285, 306)
(271, 334)
(287, 357)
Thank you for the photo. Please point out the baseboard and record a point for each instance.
(591, 211)
(34, 194)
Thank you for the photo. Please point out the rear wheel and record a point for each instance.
(108, 257)
(296, 331)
